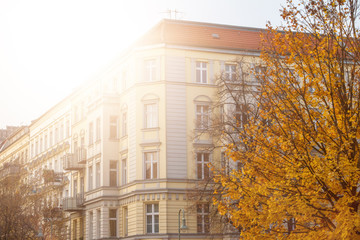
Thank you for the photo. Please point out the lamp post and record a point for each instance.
(183, 221)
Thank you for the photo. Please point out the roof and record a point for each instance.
(206, 35)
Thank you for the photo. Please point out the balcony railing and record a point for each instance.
(80, 155)
(53, 178)
(9, 170)
(70, 162)
(74, 203)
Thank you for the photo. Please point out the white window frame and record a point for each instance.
(126, 221)
(97, 175)
(154, 159)
(98, 129)
(202, 117)
(203, 164)
(153, 214)
(115, 125)
(205, 227)
(151, 119)
(90, 177)
(201, 72)
(230, 72)
(150, 70)
(91, 133)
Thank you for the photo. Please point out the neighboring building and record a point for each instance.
(123, 144)
(5, 133)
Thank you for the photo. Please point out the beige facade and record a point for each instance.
(124, 142)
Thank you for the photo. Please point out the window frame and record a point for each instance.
(201, 116)
(113, 219)
(111, 170)
(153, 215)
(230, 73)
(203, 164)
(151, 118)
(150, 68)
(205, 218)
(201, 69)
(151, 161)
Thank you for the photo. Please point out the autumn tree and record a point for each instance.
(299, 154)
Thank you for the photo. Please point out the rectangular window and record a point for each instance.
(241, 115)
(124, 124)
(113, 127)
(45, 142)
(126, 221)
(91, 133)
(98, 174)
(113, 222)
(202, 116)
(90, 184)
(151, 116)
(201, 72)
(203, 223)
(41, 144)
(152, 218)
(67, 129)
(113, 173)
(124, 171)
(98, 129)
(151, 165)
(230, 72)
(202, 161)
(56, 135)
(61, 131)
(98, 223)
(150, 70)
(91, 226)
(51, 139)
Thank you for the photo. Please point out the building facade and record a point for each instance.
(122, 149)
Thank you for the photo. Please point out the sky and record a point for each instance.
(49, 47)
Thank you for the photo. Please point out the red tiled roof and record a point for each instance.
(206, 35)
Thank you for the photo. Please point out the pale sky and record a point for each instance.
(49, 47)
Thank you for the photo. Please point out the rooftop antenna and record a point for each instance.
(173, 14)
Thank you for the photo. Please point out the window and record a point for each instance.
(124, 171)
(202, 161)
(56, 135)
(203, 223)
(126, 221)
(113, 173)
(152, 218)
(151, 164)
(45, 142)
(241, 115)
(230, 72)
(91, 133)
(113, 127)
(98, 221)
(124, 124)
(98, 174)
(41, 144)
(150, 70)
(61, 131)
(151, 116)
(202, 116)
(113, 222)
(67, 134)
(98, 129)
(90, 178)
(91, 219)
(51, 139)
(201, 72)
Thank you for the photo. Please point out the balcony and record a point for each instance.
(9, 170)
(70, 162)
(53, 178)
(72, 204)
(80, 155)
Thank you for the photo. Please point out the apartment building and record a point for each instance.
(122, 146)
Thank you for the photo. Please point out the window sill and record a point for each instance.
(150, 129)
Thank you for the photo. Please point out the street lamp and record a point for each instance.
(183, 227)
